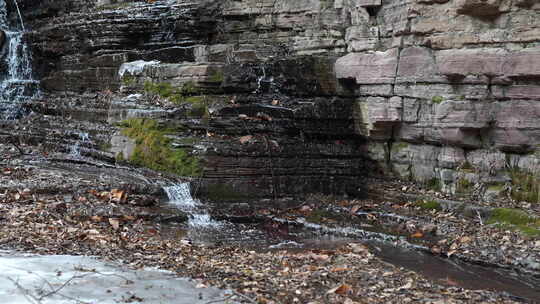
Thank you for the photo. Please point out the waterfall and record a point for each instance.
(180, 196)
(16, 82)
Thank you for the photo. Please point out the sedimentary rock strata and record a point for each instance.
(426, 86)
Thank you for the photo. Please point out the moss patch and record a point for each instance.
(429, 205)
(128, 80)
(176, 95)
(396, 147)
(464, 186)
(153, 149)
(515, 219)
(437, 99)
(467, 167)
(434, 184)
(525, 186)
(216, 76)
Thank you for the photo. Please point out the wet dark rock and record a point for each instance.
(2, 38)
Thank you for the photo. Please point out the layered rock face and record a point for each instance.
(431, 90)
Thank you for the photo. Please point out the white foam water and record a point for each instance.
(17, 84)
(180, 196)
(75, 150)
(134, 68)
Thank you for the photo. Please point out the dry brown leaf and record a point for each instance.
(342, 289)
(338, 269)
(128, 218)
(465, 239)
(245, 139)
(96, 218)
(417, 235)
(118, 195)
(319, 257)
(115, 223)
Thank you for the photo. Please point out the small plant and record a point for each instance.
(128, 80)
(216, 76)
(105, 146)
(399, 146)
(199, 111)
(434, 184)
(177, 95)
(515, 219)
(525, 186)
(429, 205)
(464, 186)
(437, 99)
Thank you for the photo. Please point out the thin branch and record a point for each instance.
(221, 300)
(250, 300)
(54, 291)
(480, 218)
(26, 293)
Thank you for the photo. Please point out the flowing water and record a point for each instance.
(180, 196)
(282, 234)
(16, 81)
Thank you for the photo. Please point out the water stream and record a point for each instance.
(284, 234)
(16, 81)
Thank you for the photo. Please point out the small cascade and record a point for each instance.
(75, 150)
(266, 83)
(16, 81)
(180, 196)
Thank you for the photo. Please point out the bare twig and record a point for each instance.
(221, 300)
(480, 218)
(54, 291)
(250, 300)
(26, 293)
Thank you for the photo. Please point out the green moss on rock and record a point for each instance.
(177, 95)
(515, 219)
(464, 185)
(153, 149)
(434, 184)
(429, 205)
(525, 186)
(437, 99)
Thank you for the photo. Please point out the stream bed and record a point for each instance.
(298, 235)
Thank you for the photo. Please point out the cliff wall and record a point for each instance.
(441, 92)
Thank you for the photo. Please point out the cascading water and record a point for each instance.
(16, 82)
(180, 196)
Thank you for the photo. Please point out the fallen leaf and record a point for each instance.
(465, 239)
(115, 223)
(340, 289)
(406, 286)
(118, 195)
(96, 218)
(245, 139)
(355, 209)
(417, 235)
